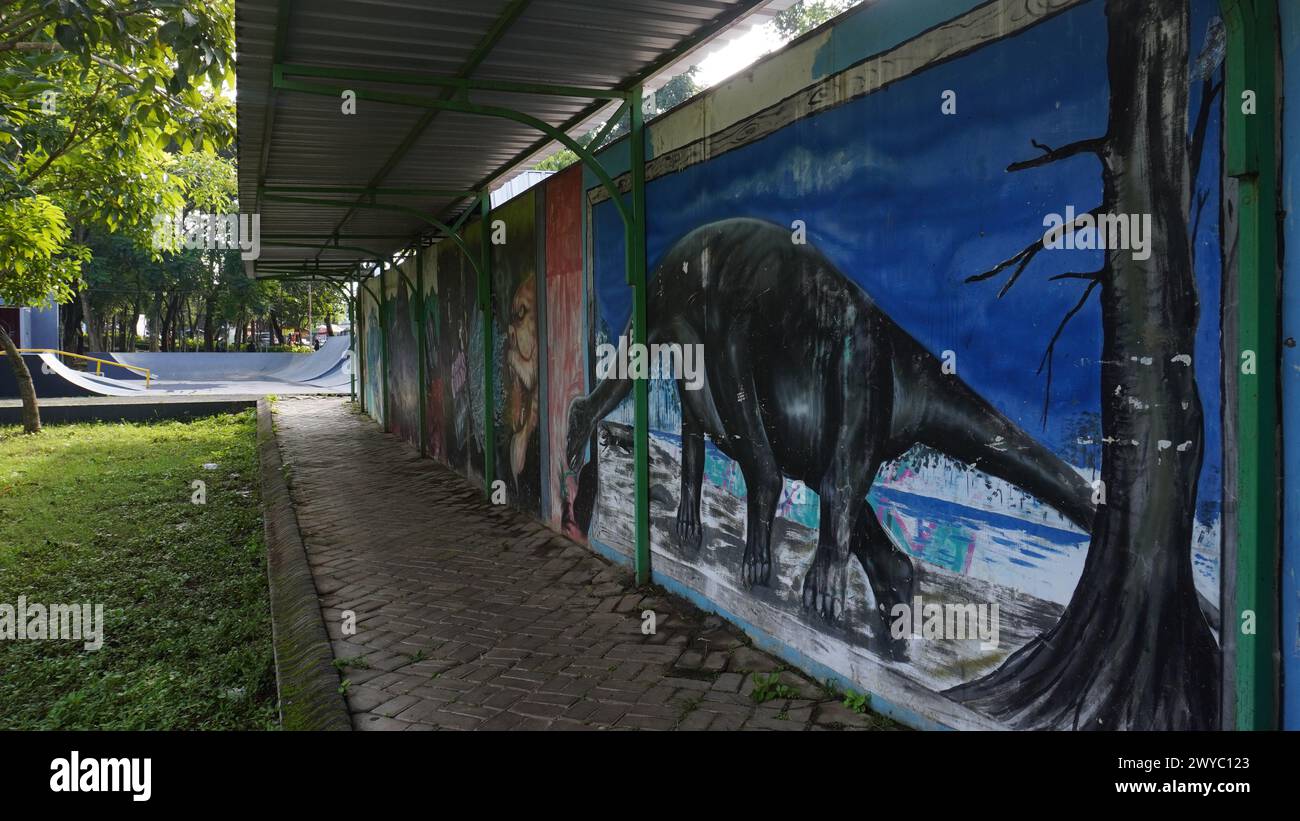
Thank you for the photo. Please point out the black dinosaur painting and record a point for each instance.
(806, 378)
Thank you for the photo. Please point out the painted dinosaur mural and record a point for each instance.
(1068, 468)
(807, 379)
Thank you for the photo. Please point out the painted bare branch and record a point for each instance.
(1051, 155)
(1024, 256)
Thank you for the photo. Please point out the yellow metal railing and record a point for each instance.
(99, 363)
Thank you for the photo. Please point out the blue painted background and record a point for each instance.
(908, 202)
(1290, 628)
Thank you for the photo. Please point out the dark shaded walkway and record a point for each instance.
(470, 616)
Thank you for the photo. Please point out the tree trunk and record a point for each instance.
(31, 411)
(71, 325)
(276, 331)
(94, 337)
(1133, 650)
(169, 323)
(155, 323)
(209, 303)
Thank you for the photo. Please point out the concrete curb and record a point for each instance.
(304, 670)
(60, 411)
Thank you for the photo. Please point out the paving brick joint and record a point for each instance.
(470, 616)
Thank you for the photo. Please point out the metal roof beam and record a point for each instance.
(268, 124)
(461, 84)
(447, 230)
(367, 190)
(342, 237)
(485, 45)
(667, 59)
(466, 107)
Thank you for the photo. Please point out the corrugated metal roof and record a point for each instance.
(291, 139)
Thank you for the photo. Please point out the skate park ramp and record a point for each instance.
(51, 378)
(326, 371)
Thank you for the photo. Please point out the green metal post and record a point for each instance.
(1252, 159)
(636, 271)
(386, 406)
(417, 307)
(352, 345)
(360, 327)
(485, 304)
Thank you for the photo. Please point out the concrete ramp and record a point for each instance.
(192, 366)
(53, 379)
(327, 371)
(90, 383)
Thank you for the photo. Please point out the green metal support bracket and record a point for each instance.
(365, 283)
(1252, 159)
(332, 237)
(348, 300)
(363, 190)
(275, 275)
(326, 247)
(466, 107)
(383, 349)
(636, 274)
(410, 284)
(359, 331)
(352, 348)
(506, 17)
(447, 230)
(610, 124)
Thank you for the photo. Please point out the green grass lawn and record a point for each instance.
(102, 514)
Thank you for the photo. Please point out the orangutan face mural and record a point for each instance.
(521, 373)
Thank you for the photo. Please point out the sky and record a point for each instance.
(738, 54)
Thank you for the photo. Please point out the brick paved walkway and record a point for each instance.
(471, 616)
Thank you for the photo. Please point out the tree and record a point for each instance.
(807, 15)
(1132, 649)
(91, 93)
(672, 93)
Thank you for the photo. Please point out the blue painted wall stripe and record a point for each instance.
(1290, 627)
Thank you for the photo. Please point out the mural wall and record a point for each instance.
(936, 389)
(454, 325)
(435, 412)
(372, 351)
(566, 373)
(1289, 15)
(516, 351)
(914, 401)
(403, 352)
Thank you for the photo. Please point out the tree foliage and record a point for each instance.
(93, 95)
(807, 15)
(672, 93)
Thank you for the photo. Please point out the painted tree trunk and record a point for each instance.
(31, 411)
(1133, 649)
